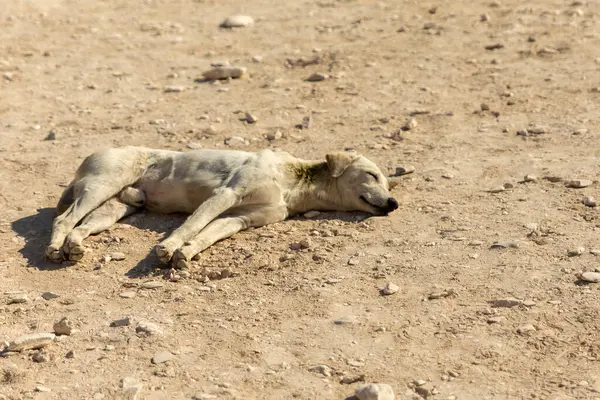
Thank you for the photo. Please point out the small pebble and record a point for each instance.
(40, 356)
(174, 89)
(120, 322)
(237, 21)
(576, 252)
(17, 298)
(249, 118)
(152, 285)
(317, 77)
(127, 295)
(579, 183)
(503, 244)
(224, 72)
(350, 379)
(495, 320)
(485, 17)
(595, 252)
(593, 277)
(42, 389)
(523, 329)
(497, 189)
(321, 369)
(63, 327)
(374, 391)
(148, 328)
(274, 135)
(311, 214)
(162, 357)
(506, 303)
(49, 295)
(410, 124)
(589, 201)
(117, 256)
(530, 178)
(32, 341)
(389, 289)
(409, 169)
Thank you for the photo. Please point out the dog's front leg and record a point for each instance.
(218, 203)
(226, 226)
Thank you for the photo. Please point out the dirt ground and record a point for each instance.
(499, 90)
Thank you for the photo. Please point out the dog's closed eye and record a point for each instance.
(374, 175)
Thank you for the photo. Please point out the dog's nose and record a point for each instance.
(392, 204)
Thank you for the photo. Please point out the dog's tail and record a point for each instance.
(67, 198)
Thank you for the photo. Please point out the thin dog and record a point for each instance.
(225, 191)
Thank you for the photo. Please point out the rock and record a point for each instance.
(236, 141)
(127, 295)
(503, 244)
(40, 356)
(117, 256)
(419, 382)
(152, 285)
(17, 298)
(523, 329)
(317, 77)
(120, 322)
(409, 169)
(530, 178)
(49, 295)
(595, 252)
(249, 118)
(70, 354)
(237, 21)
(257, 59)
(389, 289)
(576, 252)
(32, 341)
(589, 201)
(592, 277)
(306, 121)
(203, 396)
(350, 379)
(42, 389)
(508, 185)
(374, 391)
(321, 369)
(494, 46)
(485, 17)
(63, 327)
(410, 124)
(506, 303)
(495, 320)
(274, 135)
(131, 388)
(346, 320)
(174, 89)
(224, 72)
(579, 183)
(148, 328)
(497, 189)
(311, 214)
(162, 357)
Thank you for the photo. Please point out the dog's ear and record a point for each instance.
(338, 162)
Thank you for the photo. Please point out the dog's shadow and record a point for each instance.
(36, 231)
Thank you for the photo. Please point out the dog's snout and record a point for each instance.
(392, 204)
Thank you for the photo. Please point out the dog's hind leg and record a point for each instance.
(97, 221)
(226, 226)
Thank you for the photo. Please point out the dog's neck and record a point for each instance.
(313, 187)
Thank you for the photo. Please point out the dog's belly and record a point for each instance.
(168, 196)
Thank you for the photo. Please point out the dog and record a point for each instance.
(225, 191)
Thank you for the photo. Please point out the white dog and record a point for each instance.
(224, 191)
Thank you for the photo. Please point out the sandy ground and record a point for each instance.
(95, 73)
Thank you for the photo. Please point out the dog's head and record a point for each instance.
(362, 186)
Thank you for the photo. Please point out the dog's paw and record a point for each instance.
(163, 253)
(54, 254)
(180, 260)
(76, 252)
